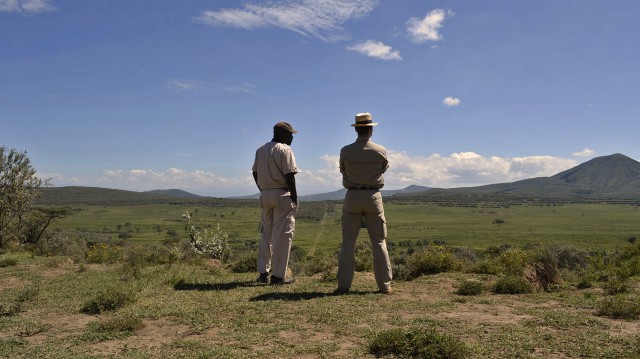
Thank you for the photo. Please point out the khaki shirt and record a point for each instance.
(273, 161)
(362, 163)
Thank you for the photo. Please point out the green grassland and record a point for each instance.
(584, 226)
(162, 305)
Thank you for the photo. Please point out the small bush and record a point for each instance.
(433, 260)
(119, 323)
(10, 309)
(512, 285)
(104, 253)
(488, 266)
(619, 307)
(8, 262)
(364, 257)
(616, 285)
(106, 300)
(245, 264)
(212, 242)
(470, 287)
(417, 343)
(513, 261)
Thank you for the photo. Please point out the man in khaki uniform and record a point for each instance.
(362, 165)
(274, 169)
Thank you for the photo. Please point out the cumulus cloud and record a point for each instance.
(587, 152)
(451, 101)
(26, 6)
(460, 169)
(319, 18)
(427, 28)
(178, 85)
(456, 170)
(376, 49)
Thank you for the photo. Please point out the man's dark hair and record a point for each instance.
(362, 130)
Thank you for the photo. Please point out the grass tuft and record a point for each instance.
(470, 287)
(418, 342)
(512, 285)
(619, 307)
(106, 300)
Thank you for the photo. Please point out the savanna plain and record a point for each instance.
(510, 281)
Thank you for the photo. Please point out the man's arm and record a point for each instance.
(291, 185)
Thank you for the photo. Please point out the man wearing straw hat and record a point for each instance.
(362, 165)
(274, 169)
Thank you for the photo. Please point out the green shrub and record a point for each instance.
(108, 299)
(433, 260)
(470, 287)
(417, 343)
(8, 262)
(104, 253)
(246, 263)
(118, 323)
(513, 261)
(487, 266)
(512, 285)
(209, 241)
(616, 284)
(619, 307)
(364, 257)
(9, 309)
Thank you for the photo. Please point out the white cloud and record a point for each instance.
(457, 170)
(461, 169)
(177, 85)
(376, 49)
(26, 6)
(470, 169)
(244, 87)
(587, 152)
(427, 29)
(320, 18)
(451, 101)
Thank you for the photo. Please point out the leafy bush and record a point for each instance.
(104, 253)
(620, 307)
(108, 299)
(8, 262)
(512, 285)
(470, 287)
(513, 261)
(417, 343)
(212, 242)
(246, 263)
(487, 266)
(432, 260)
(364, 257)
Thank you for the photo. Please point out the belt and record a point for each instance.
(363, 188)
(266, 189)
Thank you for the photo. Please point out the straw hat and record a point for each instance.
(364, 119)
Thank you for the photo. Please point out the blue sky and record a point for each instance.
(144, 95)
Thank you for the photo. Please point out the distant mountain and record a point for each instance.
(339, 194)
(173, 193)
(615, 175)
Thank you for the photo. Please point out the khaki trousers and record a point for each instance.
(278, 225)
(368, 204)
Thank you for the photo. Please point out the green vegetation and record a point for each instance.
(125, 281)
(417, 343)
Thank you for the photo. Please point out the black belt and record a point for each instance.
(283, 188)
(364, 188)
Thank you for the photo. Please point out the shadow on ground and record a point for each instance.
(182, 285)
(299, 295)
